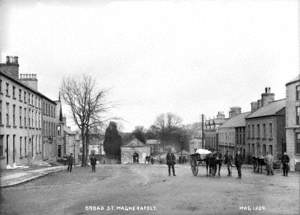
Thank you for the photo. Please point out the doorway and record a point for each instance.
(135, 157)
(7, 150)
(14, 148)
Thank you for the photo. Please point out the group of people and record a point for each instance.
(214, 163)
(268, 160)
(215, 160)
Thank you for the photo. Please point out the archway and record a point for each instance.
(135, 157)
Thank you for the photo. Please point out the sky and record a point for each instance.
(188, 57)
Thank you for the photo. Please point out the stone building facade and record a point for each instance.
(134, 147)
(232, 134)
(265, 130)
(211, 131)
(21, 116)
(293, 122)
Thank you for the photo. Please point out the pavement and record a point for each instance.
(21, 174)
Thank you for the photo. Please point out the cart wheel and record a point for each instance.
(194, 167)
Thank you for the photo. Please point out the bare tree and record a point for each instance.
(167, 121)
(87, 104)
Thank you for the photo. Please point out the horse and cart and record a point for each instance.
(197, 158)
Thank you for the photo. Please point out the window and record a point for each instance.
(25, 97)
(20, 147)
(7, 89)
(297, 147)
(7, 114)
(264, 149)
(249, 132)
(25, 146)
(1, 86)
(252, 131)
(14, 92)
(0, 112)
(20, 95)
(29, 98)
(20, 116)
(264, 131)
(32, 119)
(298, 115)
(14, 115)
(298, 92)
(25, 125)
(258, 131)
(36, 144)
(271, 130)
(271, 149)
(1, 145)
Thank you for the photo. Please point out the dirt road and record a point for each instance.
(147, 189)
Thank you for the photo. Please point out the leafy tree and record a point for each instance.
(112, 141)
(139, 133)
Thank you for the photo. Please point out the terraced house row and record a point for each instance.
(27, 118)
(272, 126)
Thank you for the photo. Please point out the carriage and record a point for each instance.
(197, 158)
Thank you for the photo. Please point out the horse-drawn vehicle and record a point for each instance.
(197, 158)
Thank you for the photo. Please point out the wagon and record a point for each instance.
(197, 158)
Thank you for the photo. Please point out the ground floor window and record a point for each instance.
(297, 147)
(20, 147)
(271, 149)
(264, 149)
(1, 145)
(59, 151)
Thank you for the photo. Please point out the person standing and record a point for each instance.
(285, 164)
(171, 161)
(219, 161)
(228, 161)
(70, 162)
(238, 163)
(269, 163)
(93, 161)
(214, 163)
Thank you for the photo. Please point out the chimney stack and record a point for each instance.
(220, 115)
(11, 67)
(254, 106)
(30, 80)
(234, 111)
(267, 97)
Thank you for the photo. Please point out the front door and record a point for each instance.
(14, 148)
(7, 149)
(32, 147)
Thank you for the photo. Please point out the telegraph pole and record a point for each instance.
(202, 128)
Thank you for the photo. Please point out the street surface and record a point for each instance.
(147, 189)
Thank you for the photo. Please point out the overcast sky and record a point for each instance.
(182, 56)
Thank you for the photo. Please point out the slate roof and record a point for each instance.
(236, 121)
(26, 86)
(270, 109)
(135, 143)
(294, 80)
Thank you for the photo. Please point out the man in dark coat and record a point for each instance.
(171, 161)
(228, 161)
(255, 163)
(70, 162)
(213, 162)
(93, 161)
(207, 162)
(285, 164)
(238, 163)
(219, 160)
